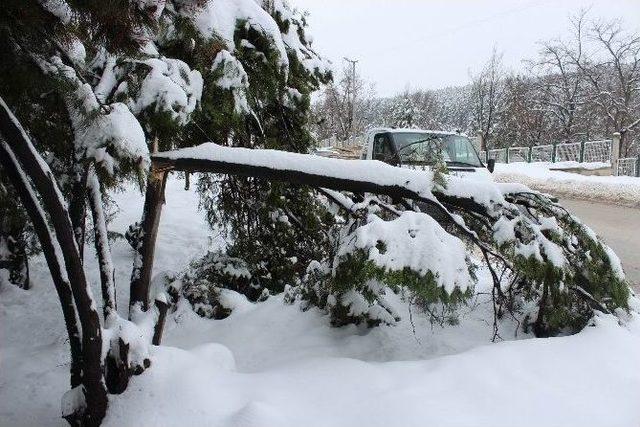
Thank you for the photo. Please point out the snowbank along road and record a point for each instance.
(618, 226)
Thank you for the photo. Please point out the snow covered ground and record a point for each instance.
(622, 190)
(270, 364)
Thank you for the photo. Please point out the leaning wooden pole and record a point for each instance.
(143, 264)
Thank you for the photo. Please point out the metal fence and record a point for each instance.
(588, 151)
(518, 154)
(581, 152)
(597, 151)
(541, 153)
(629, 166)
(499, 155)
(570, 152)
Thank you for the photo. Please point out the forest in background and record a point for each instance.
(583, 87)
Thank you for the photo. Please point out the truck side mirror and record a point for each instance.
(491, 165)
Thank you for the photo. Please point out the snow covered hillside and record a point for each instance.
(622, 190)
(271, 364)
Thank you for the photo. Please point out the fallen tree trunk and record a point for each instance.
(513, 238)
(334, 174)
(298, 169)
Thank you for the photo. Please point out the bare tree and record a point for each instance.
(524, 120)
(345, 108)
(487, 97)
(613, 72)
(561, 82)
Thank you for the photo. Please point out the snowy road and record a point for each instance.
(618, 226)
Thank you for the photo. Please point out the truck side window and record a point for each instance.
(382, 148)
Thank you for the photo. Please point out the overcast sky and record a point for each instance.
(435, 43)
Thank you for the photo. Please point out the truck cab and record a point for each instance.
(415, 148)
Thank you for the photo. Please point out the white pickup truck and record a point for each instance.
(421, 148)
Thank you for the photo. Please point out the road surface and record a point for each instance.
(618, 226)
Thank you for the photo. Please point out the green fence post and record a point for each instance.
(582, 152)
(507, 155)
(553, 153)
(638, 166)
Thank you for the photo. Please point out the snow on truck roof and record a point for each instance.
(407, 130)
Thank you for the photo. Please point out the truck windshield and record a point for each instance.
(421, 148)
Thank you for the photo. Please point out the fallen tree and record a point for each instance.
(547, 267)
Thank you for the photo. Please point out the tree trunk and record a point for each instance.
(103, 250)
(95, 393)
(47, 242)
(78, 208)
(143, 264)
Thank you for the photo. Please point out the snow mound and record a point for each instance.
(523, 383)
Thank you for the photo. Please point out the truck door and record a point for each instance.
(383, 149)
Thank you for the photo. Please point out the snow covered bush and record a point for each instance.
(550, 272)
(560, 264)
(380, 251)
(203, 280)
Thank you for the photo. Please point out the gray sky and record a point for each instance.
(435, 43)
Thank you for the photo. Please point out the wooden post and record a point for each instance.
(143, 265)
(162, 307)
(615, 153)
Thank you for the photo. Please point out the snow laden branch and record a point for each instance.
(410, 230)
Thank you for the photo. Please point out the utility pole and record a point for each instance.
(351, 93)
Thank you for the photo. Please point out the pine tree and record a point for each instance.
(95, 86)
(258, 96)
(405, 113)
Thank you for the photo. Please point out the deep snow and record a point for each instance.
(270, 364)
